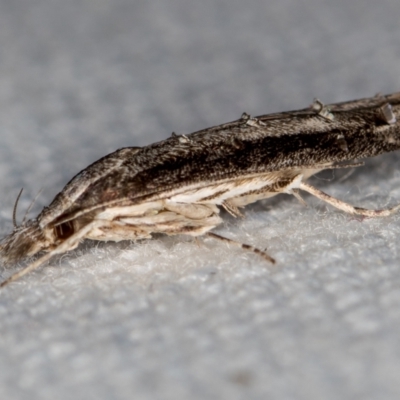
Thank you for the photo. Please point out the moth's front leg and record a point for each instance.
(63, 247)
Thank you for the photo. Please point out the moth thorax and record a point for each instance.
(64, 230)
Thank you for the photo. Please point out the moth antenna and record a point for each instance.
(31, 205)
(14, 214)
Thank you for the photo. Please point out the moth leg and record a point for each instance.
(348, 208)
(36, 264)
(232, 209)
(348, 165)
(65, 246)
(295, 193)
(244, 246)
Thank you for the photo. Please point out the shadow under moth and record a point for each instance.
(179, 185)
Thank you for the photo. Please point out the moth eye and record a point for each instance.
(64, 230)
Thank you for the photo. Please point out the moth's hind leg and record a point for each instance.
(348, 208)
(244, 246)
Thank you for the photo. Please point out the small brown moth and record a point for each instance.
(177, 186)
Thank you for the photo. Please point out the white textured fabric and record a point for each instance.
(171, 318)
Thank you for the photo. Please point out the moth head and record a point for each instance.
(24, 241)
(30, 238)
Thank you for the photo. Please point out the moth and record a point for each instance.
(180, 185)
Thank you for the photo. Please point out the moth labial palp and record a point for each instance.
(179, 185)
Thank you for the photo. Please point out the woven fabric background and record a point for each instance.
(171, 318)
